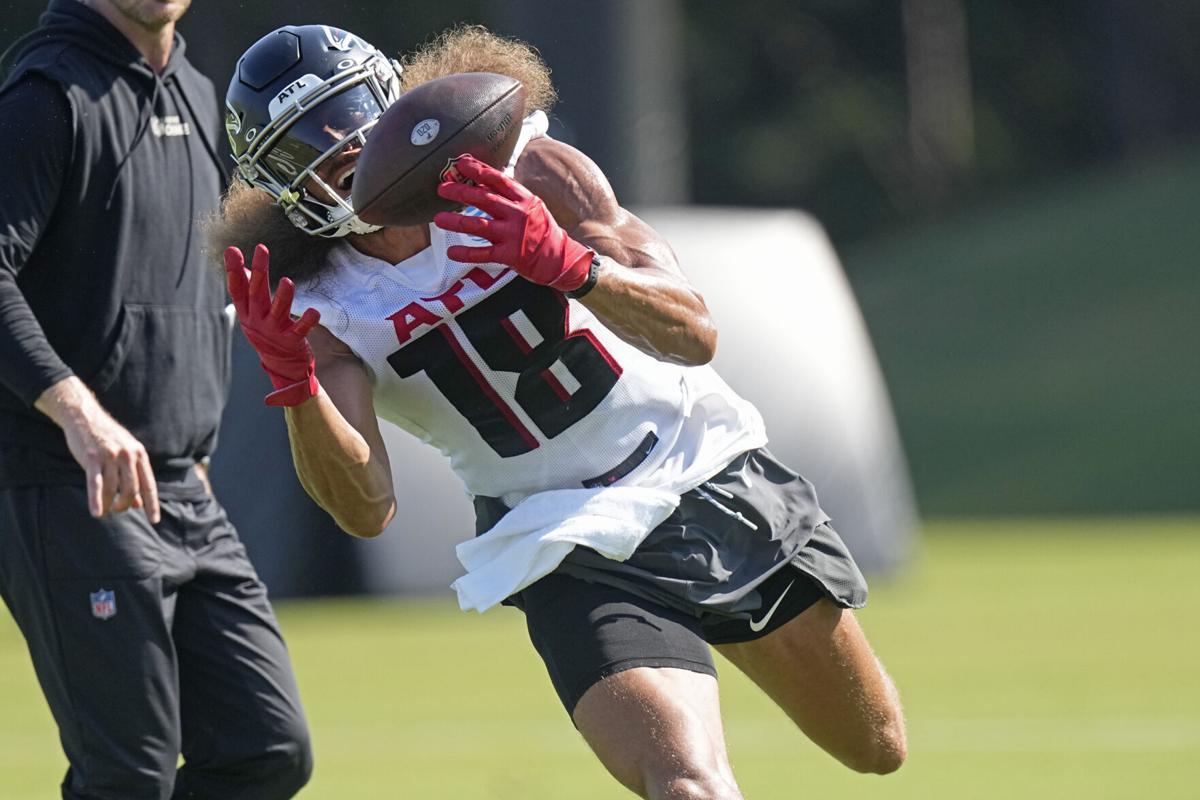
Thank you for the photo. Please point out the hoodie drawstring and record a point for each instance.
(209, 147)
(143, 126)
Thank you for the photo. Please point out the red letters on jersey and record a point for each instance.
(414, 315)
(520, 328)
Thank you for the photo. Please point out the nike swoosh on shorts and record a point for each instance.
(762, 623)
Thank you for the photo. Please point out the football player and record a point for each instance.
(548, 343)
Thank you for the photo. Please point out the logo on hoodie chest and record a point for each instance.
(169, 126)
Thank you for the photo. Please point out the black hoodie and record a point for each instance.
(106, 168)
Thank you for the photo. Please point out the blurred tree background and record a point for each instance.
(875, 113)
(1010, 183)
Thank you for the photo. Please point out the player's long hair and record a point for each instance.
(249, 215)
(473, 48)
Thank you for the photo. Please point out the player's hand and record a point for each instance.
(522, 232)
(280, 342)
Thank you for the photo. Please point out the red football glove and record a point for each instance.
(282, 347)
(522, 232)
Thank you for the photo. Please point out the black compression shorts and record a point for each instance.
(585, 632)
(744, 553)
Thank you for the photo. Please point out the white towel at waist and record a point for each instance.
(536, 535)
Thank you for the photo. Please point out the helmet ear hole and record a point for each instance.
(289, 106)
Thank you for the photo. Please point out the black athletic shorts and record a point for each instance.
(745, 552)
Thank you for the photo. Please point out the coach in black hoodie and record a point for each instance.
(149, 630)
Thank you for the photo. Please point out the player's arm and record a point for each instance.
(639, 290)
(338, 451)
(339, 454)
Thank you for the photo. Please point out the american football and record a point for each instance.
(417, 138)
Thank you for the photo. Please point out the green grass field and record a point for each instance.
(1038, 659)
(1053, 331)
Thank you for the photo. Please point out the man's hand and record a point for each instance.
(118, 470)
(522, 232)
(280, 342)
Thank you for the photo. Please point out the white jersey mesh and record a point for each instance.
(522, 389)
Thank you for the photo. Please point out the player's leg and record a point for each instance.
(244, 732)
(801, 644)
(658, 731)
(88, 596)
(639, 684)
(820, 669)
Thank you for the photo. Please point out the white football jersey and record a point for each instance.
(521, 388)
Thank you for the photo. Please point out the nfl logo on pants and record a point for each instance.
(104, 604)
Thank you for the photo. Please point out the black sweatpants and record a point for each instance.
(151, 641)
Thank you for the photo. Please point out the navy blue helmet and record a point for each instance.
(301, 96)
